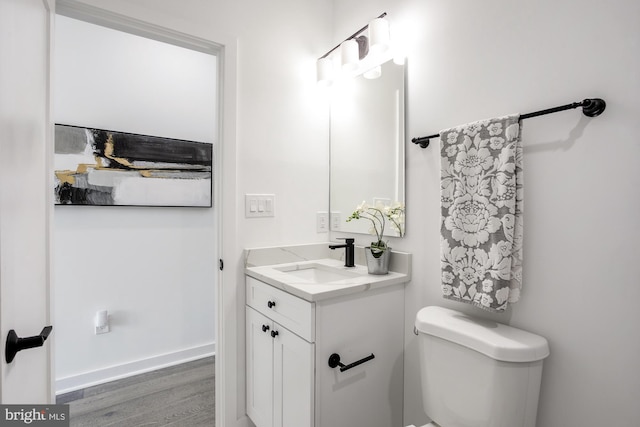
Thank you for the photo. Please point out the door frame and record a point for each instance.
(225, 157)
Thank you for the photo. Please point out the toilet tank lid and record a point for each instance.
(498, 341)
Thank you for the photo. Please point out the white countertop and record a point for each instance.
(359, 281)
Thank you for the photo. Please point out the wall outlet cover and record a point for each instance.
(336, 221)
(322, 222)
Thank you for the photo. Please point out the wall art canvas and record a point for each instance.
(108, 168)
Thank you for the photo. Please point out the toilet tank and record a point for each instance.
(478, 373)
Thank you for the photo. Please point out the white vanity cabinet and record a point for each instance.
(280, 363)
(290, 341)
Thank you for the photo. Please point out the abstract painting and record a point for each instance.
(107, 168)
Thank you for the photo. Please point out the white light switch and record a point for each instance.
(259, 205)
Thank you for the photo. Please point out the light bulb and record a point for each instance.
(379, 35)
(324, 68)
(349, 55)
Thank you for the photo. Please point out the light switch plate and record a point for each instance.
(259, 205)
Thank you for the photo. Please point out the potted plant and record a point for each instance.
(378, 253)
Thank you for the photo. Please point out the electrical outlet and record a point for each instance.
(322, 222)
(102, 322)
(336, 221)
(102, 329)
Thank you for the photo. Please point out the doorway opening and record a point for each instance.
(152, 269)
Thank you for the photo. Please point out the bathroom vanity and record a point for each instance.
(324, 344)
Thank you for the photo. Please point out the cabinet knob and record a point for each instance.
(274, 334)
(271, 304)
(265, 328)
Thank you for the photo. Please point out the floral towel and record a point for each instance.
(481, 197)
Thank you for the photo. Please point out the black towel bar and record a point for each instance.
(591, 107)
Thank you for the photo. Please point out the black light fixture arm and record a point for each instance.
(591, 107)
(351, 36)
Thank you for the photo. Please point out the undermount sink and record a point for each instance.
(317, 273)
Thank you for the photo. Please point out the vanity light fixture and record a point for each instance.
(325, 71)
(379, 35)
(359, 54)
(349, 54)
(398, 58)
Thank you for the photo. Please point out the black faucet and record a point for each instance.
(348, 251)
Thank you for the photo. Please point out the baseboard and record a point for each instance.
(116, 372)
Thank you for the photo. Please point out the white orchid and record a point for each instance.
(378, 215)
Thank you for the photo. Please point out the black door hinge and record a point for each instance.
(221, 264)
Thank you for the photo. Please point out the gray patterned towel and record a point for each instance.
(481, 204)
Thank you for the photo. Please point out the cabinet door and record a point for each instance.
(293, 374)
(259, 368)
(354, 327)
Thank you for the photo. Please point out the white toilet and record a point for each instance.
(478, 373)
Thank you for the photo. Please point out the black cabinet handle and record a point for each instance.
(271, 304)
(334, 361)
(16, 344)
(274, 334)
(265, 328)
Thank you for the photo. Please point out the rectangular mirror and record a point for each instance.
(367, 146)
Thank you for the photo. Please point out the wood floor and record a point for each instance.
(178, 396)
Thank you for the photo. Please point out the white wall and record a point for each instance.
(154, 269)
(471, 60)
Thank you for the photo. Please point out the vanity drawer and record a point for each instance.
(289, 311)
